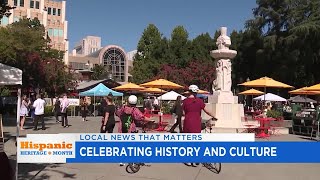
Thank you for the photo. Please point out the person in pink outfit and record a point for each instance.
(64, 111)
(129, 116)
(192, 107)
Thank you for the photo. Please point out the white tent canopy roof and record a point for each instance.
(10, 75)
(270, 97)
(170, 96)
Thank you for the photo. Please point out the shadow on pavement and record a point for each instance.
(7, 136)
(12, 121)
(39, 171)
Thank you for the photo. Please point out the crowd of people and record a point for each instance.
(130, 116)
(128, 113)
(35, 107)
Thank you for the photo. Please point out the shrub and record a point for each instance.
(274, 114)
(48, 111)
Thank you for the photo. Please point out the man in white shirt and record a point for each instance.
(156, 103)
(39, 105)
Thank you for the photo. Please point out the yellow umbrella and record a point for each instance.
(313, 88)
(303, 91)
(129, 87)
(252, 92)
(162, 83)
(266, 82)
(153, 90)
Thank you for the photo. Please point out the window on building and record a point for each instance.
(49, 10)
(37, 5)
(54, 11)
(22, 3)
(4, 20)
(5, 1)
(114, 60)
(31, 4)
(60, 33)
(56, 32)
(59, 12)
(50, 32)
(15, 2)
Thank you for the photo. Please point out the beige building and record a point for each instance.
(118, 62)
(87, 45)
(52, 14)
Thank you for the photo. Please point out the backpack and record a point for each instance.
(127, 122)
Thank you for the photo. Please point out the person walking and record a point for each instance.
(23, 111)
(156, 103)
(39, 105)
(32, 99)
(64, 111)
(109, 121)
(56, 109)
(192, 107)
(177, 109)
(84, 109)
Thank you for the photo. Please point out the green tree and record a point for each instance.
(290, 31)
(99, 72)
(201, 47)
(5, 8)
(149, 54)
(180, 47)
(25, 45)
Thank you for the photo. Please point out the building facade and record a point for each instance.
(50, 13)
(117, 62)
(87, 45)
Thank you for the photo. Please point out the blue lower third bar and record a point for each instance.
(179, 152)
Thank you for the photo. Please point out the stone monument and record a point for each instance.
(222, 102)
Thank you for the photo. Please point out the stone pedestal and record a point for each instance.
(229, 115)
(223, 97)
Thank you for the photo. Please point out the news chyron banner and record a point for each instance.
(161, 148)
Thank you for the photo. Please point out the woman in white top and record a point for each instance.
(23, 110)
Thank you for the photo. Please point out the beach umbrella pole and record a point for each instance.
(264, 97)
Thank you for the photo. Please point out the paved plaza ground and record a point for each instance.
(155, 171)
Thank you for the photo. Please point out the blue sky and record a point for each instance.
(121, 22)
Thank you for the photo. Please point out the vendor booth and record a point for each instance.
(11, 76)
(99, 91)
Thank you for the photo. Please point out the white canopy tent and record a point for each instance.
(170, 96)
(10, 76)
(270, 97)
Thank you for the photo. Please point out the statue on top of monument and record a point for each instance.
(223, 80)
(223, 40)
